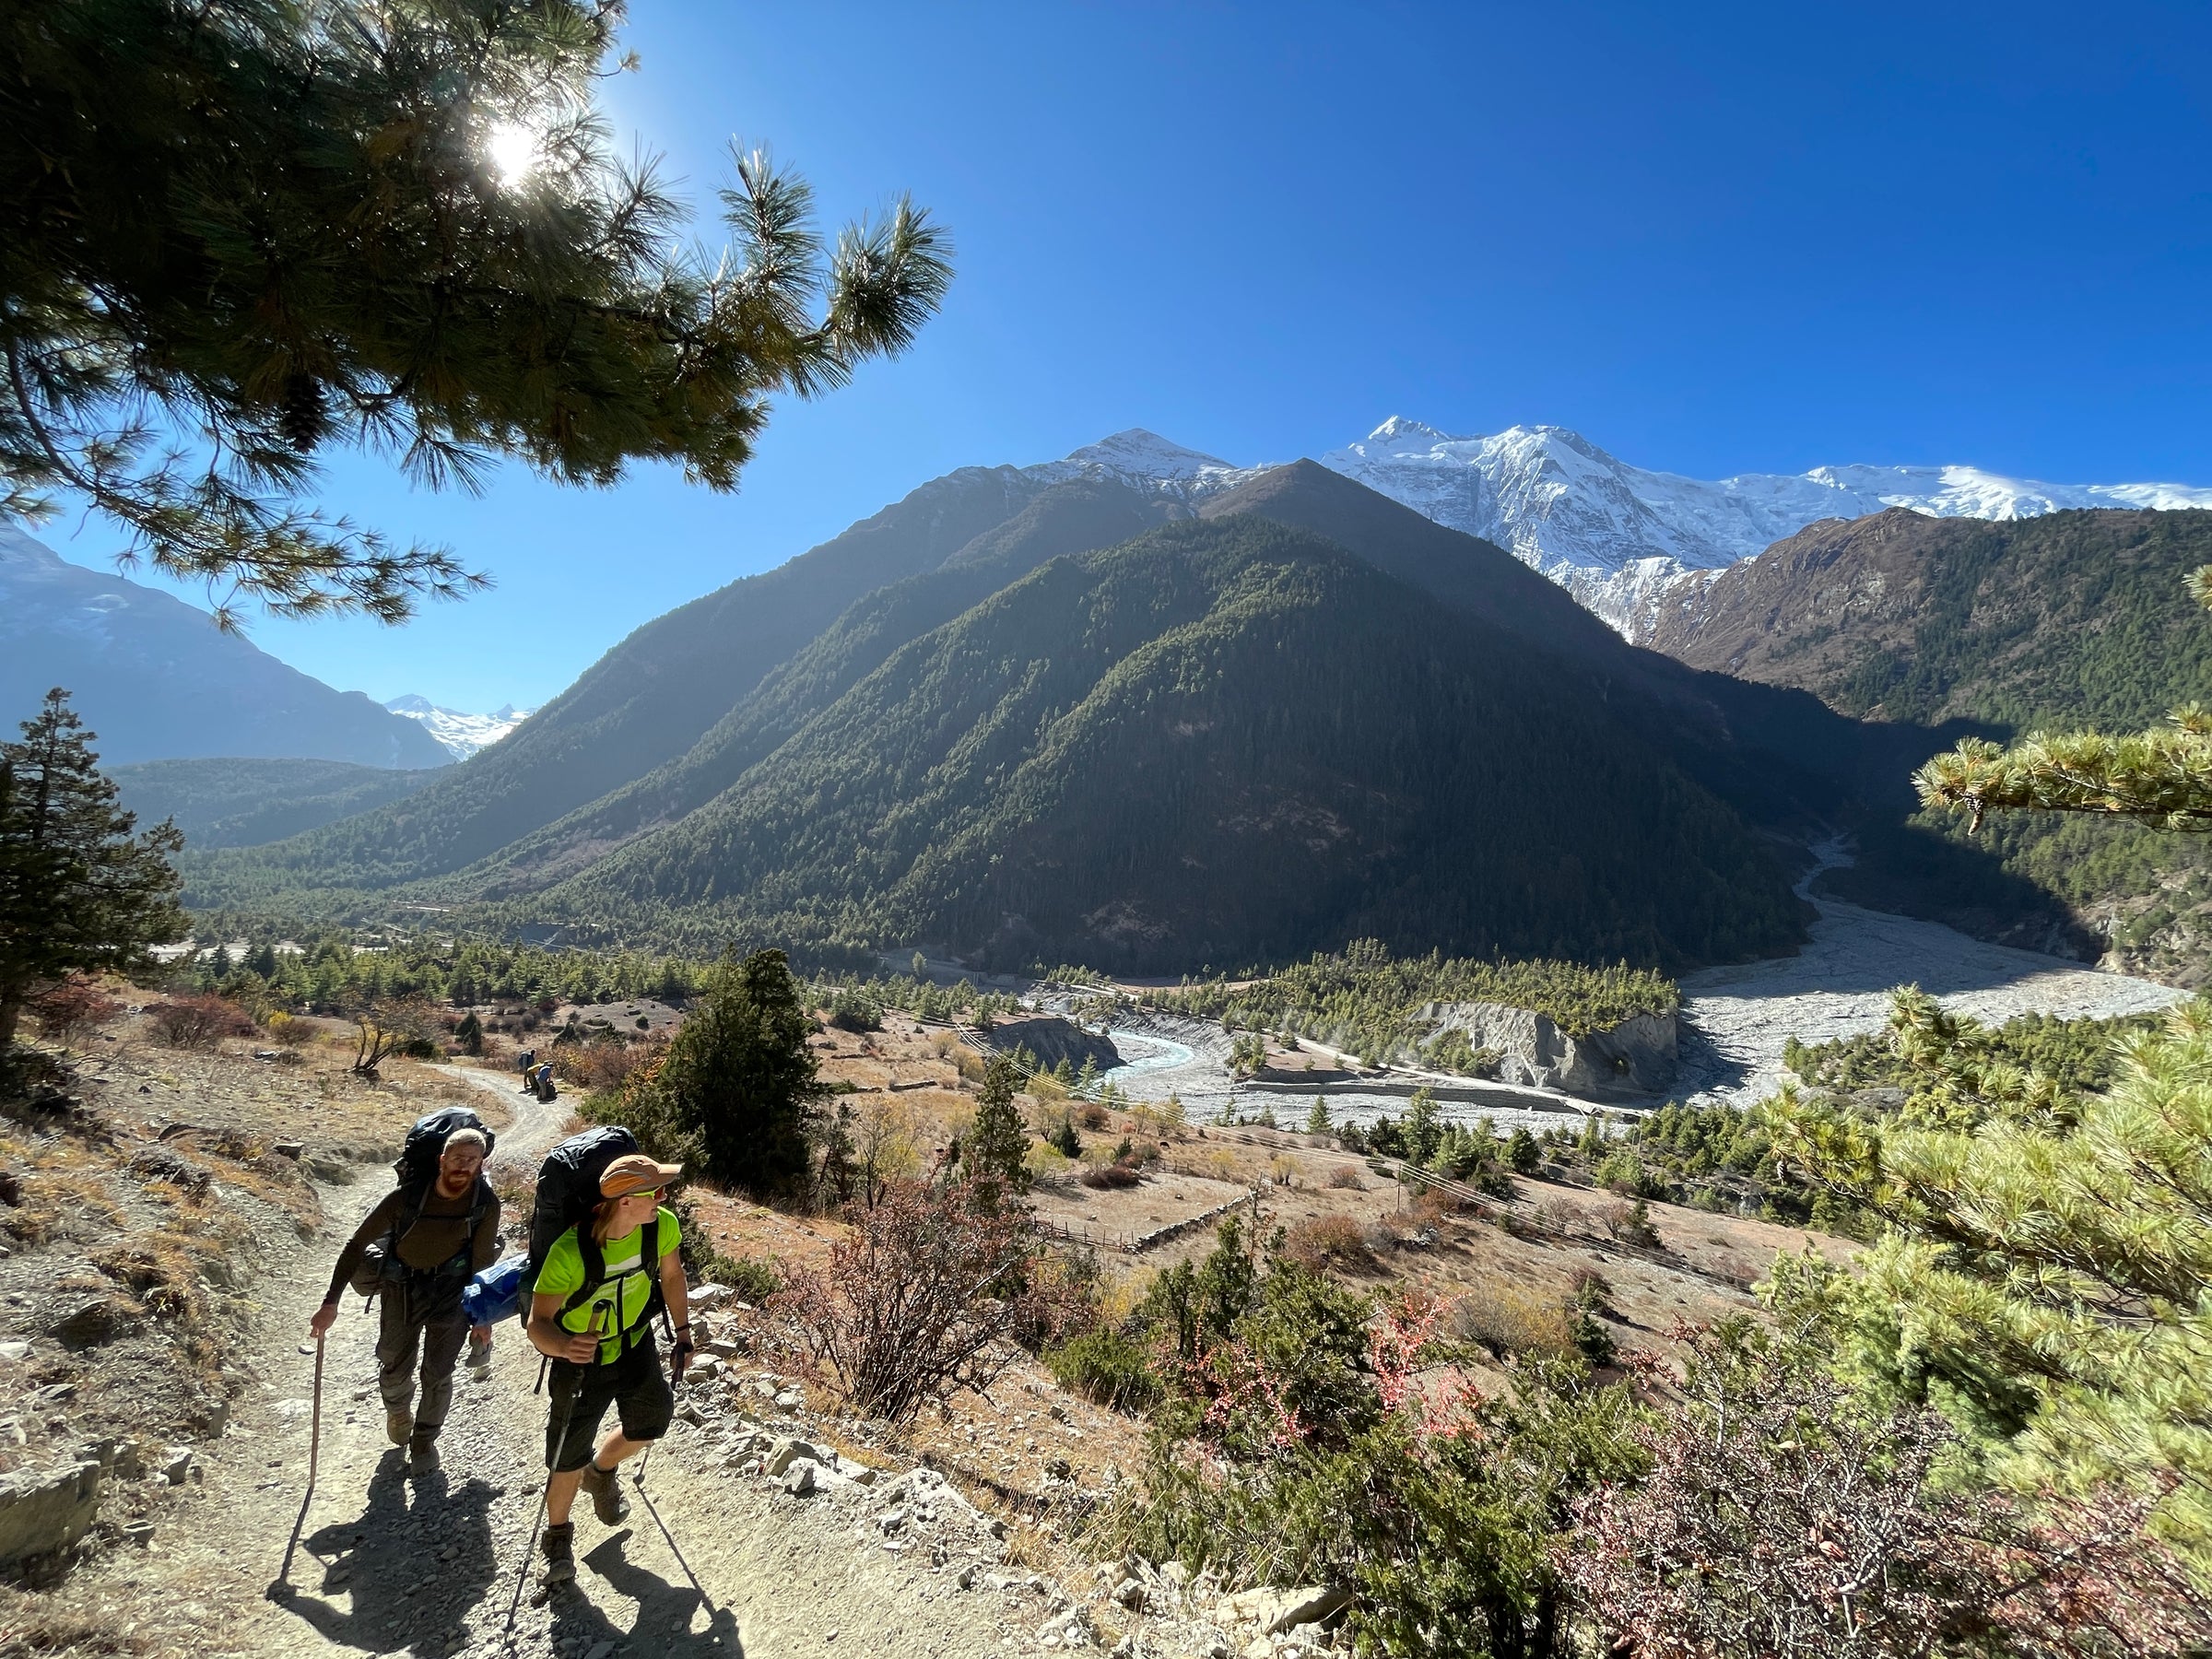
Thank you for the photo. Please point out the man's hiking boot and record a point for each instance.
(605, 1487)
(559, 1545)
(399, 1423)
(423, 1455)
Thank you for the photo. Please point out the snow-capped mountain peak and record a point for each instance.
(1146, 454)
(1149, 462)
(1614, 534)
(463, 735)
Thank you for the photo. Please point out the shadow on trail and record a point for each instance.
(416, 1562)
(665, 1611)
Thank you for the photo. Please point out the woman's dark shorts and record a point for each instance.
(635, 1384)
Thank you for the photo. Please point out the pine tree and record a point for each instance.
(998, 1145)
(1317, 1121)
(2163, 778)
(78, 889)
(279, 230)
(1423, 1125)
(2044, 1277)
(737, 1095)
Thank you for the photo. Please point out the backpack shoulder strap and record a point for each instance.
(593, 1258)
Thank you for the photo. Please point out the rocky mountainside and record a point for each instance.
(1616, 535)
(2076, 618)
(460, 734)
(155, 679)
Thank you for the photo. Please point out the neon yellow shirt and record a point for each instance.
(619, 1300)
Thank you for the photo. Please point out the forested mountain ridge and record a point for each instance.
(1224, 741)
(2074, 619)
(244, 802)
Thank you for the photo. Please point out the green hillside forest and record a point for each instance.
(1366, 1002)
(2071, 621)
(1221, 742)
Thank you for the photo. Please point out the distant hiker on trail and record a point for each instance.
(527, 1062)
(416, 1252)
(592, 1311)
(543, 1082)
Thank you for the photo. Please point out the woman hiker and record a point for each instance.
(592, 1311)
(454, 1232)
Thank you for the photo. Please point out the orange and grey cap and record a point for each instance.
(635, 1173)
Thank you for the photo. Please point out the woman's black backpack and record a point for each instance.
(568, 1192)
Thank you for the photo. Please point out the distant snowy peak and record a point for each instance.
(1615, 535)
(1149, 461)
(463, 735)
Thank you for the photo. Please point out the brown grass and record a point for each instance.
(1507, 1319)
(1321, 1242)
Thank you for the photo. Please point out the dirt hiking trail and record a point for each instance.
(386, 1565)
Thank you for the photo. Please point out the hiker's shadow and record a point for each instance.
(416, 1562)
(665, 1611)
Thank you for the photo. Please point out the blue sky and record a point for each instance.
(1714, 239)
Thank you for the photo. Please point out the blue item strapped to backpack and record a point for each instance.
(496, 1293)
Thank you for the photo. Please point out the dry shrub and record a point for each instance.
(597, 1066)
(1781, 1515)
(1507, 1319)
(1556, 1215)
(923, 1297)
(1285, 1168)
(1346, 1178)
(1431, 1206)
(1091, 1115)
(290, 1030)
(72, 1006)
(1111, 1175)
(1378, 1236)
(1321, 1242)
(197, 1022)
(163, 1272)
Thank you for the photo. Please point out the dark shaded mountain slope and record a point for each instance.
(231, 802)
(1222, 742)
(1672, 706)
(156, 679)
(2073, 619)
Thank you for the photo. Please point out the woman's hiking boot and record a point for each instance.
(559, 1545)
(422, 1454)
(605, 1489)
(399, 1423)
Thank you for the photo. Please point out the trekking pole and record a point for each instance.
(314, 1458)
(638, 1481)
(538, 1515)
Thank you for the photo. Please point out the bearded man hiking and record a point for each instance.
(416, 1252)
(591, 1310)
